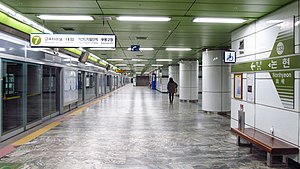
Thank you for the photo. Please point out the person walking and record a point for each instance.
(172, 88)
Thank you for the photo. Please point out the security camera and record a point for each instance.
(55, 53)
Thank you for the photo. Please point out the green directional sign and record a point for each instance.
(284, 44)
(270, 64)
(284, 82)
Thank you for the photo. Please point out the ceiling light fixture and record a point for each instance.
(102, 48)
(66, 17)
(143, 18)
(178, 49)
(121, 65)
(157, 65)
(138, 65)
(143, 49)
(139, 60)
(275, 21)
(23, 19)
(115, 59)
(163, 60)
(219, 20)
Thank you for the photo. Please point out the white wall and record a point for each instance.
(266, 110)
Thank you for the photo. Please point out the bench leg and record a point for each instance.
(284, 159)
(269, 159)
(238, 140)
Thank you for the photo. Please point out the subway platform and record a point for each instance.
(134, 128)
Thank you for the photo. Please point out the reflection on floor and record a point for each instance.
(138, 128)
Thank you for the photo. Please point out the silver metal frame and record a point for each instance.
(270, 160)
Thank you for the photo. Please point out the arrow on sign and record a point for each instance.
(252, 66)
(270, 65)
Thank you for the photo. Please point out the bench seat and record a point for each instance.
(271, 145)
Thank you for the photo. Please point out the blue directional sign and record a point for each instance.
(135, 47)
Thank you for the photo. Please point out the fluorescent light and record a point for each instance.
(178, 49)
(102, 48)
(157, 65)
(275, 21)
(163, 60)
(143, 18)
(125, 68)
(138, 72)
(115, 59)
(121, 64)
(138, 65)
(2, 49)
(219, 20)
(23, 19)
(66, 17)
(143, 49)
(7, 10)
(139, 60)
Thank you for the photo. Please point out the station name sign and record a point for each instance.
(73, 40)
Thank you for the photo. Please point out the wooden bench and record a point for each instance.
(271, 145)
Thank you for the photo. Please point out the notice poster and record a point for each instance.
(238, 86)
(250, 87)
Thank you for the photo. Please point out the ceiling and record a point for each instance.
(179, 32)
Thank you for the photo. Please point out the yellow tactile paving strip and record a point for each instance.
(36, 134)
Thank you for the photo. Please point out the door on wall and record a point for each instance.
(108, 83)
(104, 84)
(100, 84)
(50, 90)
(80, 87)
(34, 93)
(90, 85)
(13, 96)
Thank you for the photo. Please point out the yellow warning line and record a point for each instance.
(36, 134)
(76, 112)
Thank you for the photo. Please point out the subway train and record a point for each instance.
(39, 83)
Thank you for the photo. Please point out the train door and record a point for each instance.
(80, 87)
(99, 85)
(50, 90)
(12, 75)
(34, 95)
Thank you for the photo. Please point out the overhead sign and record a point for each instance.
(72, 40)
(271, 64)
(120, 71)
(135, 47)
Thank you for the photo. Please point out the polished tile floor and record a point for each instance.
(137, 128)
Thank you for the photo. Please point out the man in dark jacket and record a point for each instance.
(172, 88)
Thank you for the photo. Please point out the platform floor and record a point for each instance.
(137, 128)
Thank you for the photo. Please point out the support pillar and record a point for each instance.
(216, 94)
(174, 73)
(188, 80)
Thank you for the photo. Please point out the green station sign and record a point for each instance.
(270, 64)
(284, 82)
